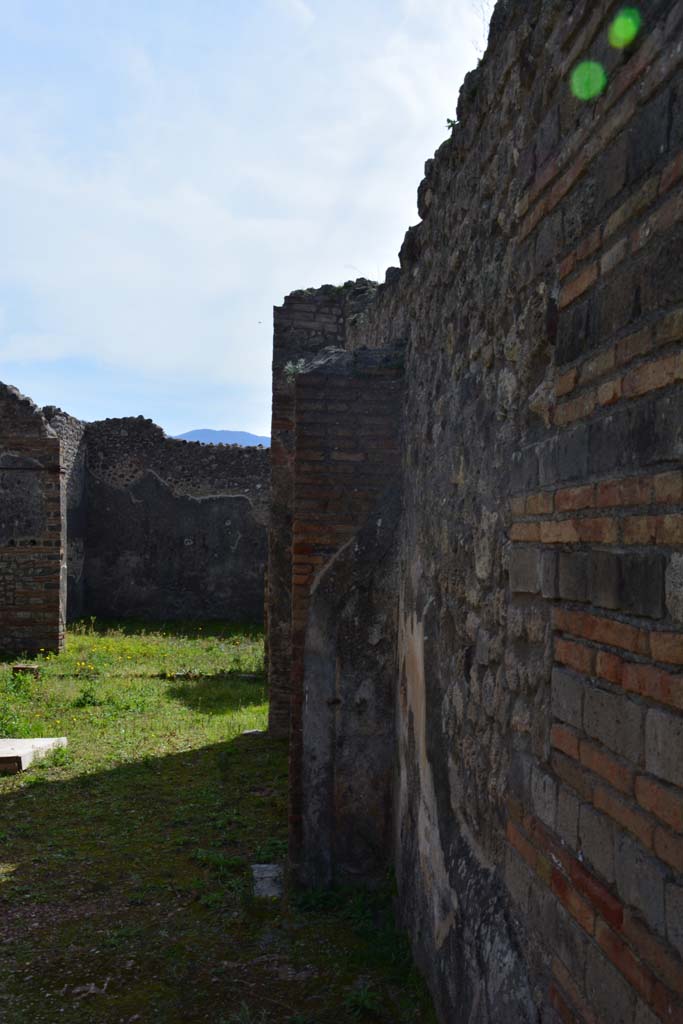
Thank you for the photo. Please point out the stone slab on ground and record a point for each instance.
(31, 670)
(17, 755)
(268, 883)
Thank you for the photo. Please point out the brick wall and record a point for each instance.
(71, 433)
(32, 535)
(597, 530)
(539, 719)
(307, 322)
(346, 455)
(173, 529)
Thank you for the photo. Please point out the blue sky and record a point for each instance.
(169, 170)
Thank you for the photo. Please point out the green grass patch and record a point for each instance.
(125, 887)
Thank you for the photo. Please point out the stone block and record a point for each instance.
(674, 588)
(567, 696)
(664, 745)
(647, 135)
(632, 583)
(572, 454)
(525, 570)
(543, 796)
(549, 582)
(21, 669)
(573, 576)
(674, 916)
(568, 817)
(608, 991)
(596, 833)
(570, 942)
(517, 879)
(18, 755)
(640, 881)
(547, 462)
(641, 584)
(519, 778)
(614, 720)
(576, 331)
(524, 470)
(542, 910)
(603, 585)
(644, 1015)
(268, 881)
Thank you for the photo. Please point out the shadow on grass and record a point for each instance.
(131, 885)
(220, 693)
(184, 629)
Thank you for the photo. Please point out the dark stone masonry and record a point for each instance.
(116, 520)
(32, 529)
(476, 549)
(474, 536)
(170, 529)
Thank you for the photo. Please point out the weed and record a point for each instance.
(246, 1016)
(220, 862)
(20, 684)
(14, 724)
(293, 369)
(363, 999)
(144, 827)
(273, 850)
(60, 757)
(88, 698)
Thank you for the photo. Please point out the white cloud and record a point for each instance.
(215, 190)
(297, 9)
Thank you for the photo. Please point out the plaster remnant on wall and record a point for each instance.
(538, 716)
(412, 724)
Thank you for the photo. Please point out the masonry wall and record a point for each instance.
(174, 529)
(71, 433)
(32, 535)
(346, 459)
(308, 322)
(538, 837)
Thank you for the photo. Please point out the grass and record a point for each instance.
(125, 888)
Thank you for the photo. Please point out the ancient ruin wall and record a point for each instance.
(538, 839)
(346, 459)
(71, 433)
(539, 794)
(32, 534)
(174, 529)
(308, 322)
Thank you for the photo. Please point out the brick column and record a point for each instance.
(346, 453)
(306, 323)
(32, 530)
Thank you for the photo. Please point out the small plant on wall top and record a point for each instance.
(293, 368)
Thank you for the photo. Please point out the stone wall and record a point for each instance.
(160, 528)
(71, 433)
(308, 322)
(537, 566)
(346, 466)
(32, 534)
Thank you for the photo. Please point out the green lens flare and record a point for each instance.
(589, 80)
(625, 27)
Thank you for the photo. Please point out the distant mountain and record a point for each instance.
(224, 437)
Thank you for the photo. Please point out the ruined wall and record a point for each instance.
(32, 535)
(174, 529)
(141, 524)
(538, 696)
(308, 322)
(346, 465)
(71, 433)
